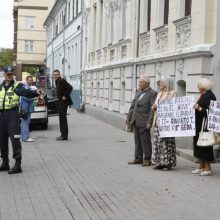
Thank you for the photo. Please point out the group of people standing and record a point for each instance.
(16, 95)
(142, 116)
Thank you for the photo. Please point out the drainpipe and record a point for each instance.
(136, 46)
(64, 49)
(81, 49)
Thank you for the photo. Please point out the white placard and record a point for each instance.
(176, 117)
(214, 116)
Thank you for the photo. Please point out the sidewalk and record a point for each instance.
(87, 177)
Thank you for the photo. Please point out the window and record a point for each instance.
(64, 20)
(111, 93)
(185, 8)
(61, 23)
(73, 9)
(77, 7)
(112, 27)
(64, 17)
(163, 12)
(29, 46)
(123, 93)
(148, 15)
(94, 27)
(97, 91)
(124, 20)
(76, 59)
(29, 22)
(166, 11)
(69, 12)
(188, 5)
(101, 20)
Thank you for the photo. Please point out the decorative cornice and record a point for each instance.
(111, 6)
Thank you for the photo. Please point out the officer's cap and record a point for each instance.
(9, 69)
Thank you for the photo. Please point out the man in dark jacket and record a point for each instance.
(141, 117)
(63, 93)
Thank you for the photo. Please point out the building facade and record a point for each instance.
(126, 38)
(29, 33)
(64, 40)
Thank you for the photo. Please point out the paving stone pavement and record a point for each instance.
(87, 177)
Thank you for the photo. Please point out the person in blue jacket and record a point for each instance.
(27, 107)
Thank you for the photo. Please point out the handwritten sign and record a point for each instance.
(176, 117)
(214, 116)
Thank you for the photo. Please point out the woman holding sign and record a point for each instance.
(164, 149)
(205, 154)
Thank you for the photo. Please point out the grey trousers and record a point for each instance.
(143, 145)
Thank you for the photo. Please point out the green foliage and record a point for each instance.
(6, 57)
(31, 70)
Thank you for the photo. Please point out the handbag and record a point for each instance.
(206, 138)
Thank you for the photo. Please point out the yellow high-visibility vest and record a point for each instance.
(9, 99)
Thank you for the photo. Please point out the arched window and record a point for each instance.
(111, 93)
(91, 91)
(97, 91)
(123, 93)
(181, 88)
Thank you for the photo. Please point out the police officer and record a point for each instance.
(10, 92)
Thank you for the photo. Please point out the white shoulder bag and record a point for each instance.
(206, 138)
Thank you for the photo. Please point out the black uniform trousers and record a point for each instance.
(63, 119)
(10, 127)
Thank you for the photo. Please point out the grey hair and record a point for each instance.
(206, 84)
(145, 78)
(168, 81)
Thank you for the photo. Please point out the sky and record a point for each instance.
(6, 23)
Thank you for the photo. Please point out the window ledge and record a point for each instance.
(161, 28)
(182, 21)
(144, 34)
(121, 42)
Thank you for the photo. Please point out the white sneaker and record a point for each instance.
(197, 171)
(206, 173)
(29, 140)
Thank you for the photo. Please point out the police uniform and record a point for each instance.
(10, 120)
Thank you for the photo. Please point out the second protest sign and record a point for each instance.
(176, 117)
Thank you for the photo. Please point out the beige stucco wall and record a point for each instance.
(184, 51)
(37, 34)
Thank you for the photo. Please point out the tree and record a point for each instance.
(31, 70)
(6, 57)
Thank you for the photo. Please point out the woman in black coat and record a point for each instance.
(205, 154)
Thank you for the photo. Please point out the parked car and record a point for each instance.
(43, 108)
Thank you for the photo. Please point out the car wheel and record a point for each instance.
(44, 126)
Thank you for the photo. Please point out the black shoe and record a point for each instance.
(16, 168)
(5, 165)
(61, 138)
(158, 167)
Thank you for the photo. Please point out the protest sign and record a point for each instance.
(176, 117)
(214, 117)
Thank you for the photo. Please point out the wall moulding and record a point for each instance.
(161, 38)
(144, 44)
(183, 32)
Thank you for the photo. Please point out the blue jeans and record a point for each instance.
(25, 127)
